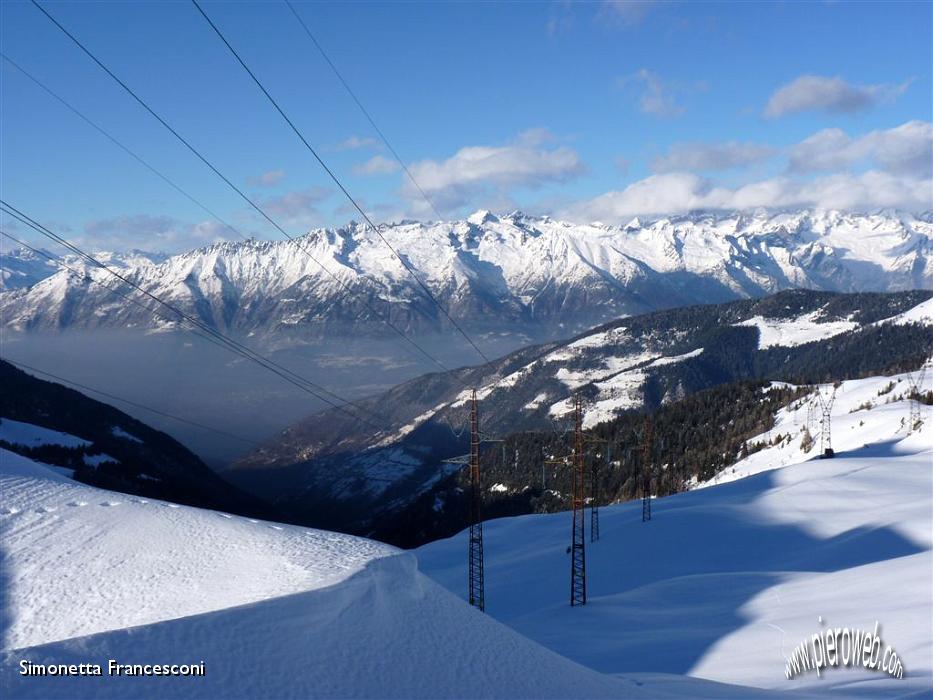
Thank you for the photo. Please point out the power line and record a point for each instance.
(363, 109)
(126, 149)
(230, 184)
(233, 345)
(143, 162)
(23, 365)
(336, 180)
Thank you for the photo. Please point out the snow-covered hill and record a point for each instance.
(273, 611)
(494, 272)
(865, 412)
(707, 600)
(726, 580)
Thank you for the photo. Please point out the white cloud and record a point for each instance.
(658, 97)
(267, 179)
(377, 165)
(906, 150)
(678, 193)
(299, 206)
(711, 156)
(211, 231)
(485, 170)
(151, 233)
(815, 93)
(354, 143)
(884, 168)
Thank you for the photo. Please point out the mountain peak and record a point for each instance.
(482, 216)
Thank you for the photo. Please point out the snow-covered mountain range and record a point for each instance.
(492, 271)
(21, 268)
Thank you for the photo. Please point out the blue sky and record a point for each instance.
(595, 111)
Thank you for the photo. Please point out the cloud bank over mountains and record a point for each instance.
(531, 160)
(829, 169)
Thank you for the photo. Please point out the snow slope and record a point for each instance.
(922, 313)
(865, 412)
(725, 581)
(127, 561)
(272, 610)
(29, 435)
(797, 331)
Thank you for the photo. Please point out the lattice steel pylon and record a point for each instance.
(578, 539)
(477, 574)
(826, 435)
(915, 381)
(647, 468)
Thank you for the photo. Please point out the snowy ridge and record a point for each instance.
(922, 313)
(133, 561)
(21, 268)
(619, 378)
(725, 581)
(488, 270)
